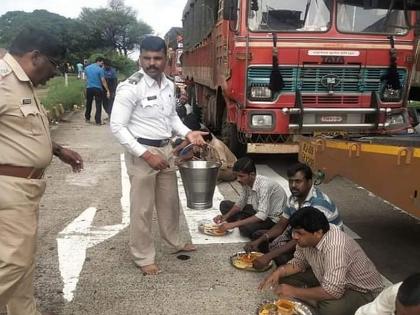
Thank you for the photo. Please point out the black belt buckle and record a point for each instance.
(153, 143)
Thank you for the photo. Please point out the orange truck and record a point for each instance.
(263, 72)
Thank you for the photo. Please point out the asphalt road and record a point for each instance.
(84, 266)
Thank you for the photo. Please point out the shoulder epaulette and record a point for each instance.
(135, 78)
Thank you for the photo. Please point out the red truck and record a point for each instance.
(262, 72)
(173, 40)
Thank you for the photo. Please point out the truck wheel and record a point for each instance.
(232, 140)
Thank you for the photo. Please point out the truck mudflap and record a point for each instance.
(391, 172)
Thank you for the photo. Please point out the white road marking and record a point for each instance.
(194, 217)
(269, 172)
(80, 235)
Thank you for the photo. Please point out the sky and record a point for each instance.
(161, 15)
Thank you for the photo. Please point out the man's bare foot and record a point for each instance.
(187, 248)
(150, 270)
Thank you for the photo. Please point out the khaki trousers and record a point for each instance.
(346, 305)
(151, 189)
(19, 204)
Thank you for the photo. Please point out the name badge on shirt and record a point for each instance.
(151, 98)
(26, 101)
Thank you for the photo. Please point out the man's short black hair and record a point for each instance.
(244, 165)
(409, 291)
(153, 43)
(310, 219)
(300, 167)
(100, 59)
(30, 39)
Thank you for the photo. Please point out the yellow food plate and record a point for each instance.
(244, 260)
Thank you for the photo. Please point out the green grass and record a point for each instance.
(55, 92)
(414, 104)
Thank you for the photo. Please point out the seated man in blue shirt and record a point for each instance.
(95, 80)
(260, 203)
(304, 194)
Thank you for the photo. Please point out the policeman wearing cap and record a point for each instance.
(143, 119)
(26, 150)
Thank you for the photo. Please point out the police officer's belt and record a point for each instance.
(21, 171)
(153, 143)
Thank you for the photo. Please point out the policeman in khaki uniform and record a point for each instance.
(26, 150)
(143, 120)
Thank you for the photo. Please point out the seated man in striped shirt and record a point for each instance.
(329, 269)
(303, 194)
(260, 203)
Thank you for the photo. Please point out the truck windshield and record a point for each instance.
(289, 15)
(353, 17)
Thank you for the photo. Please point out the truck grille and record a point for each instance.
(312, 79)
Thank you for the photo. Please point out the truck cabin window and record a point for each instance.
(289, 15)
(354, 17)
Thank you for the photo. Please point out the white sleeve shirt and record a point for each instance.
(145, 110)
(384, 304)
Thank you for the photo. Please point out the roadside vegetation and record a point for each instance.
(55, 92)
(110, 32)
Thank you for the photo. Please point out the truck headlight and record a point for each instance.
(397, 119)
(261, 121)
(260, 92)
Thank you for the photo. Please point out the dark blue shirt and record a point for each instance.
(110, 73)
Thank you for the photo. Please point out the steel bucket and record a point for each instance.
(199, 179)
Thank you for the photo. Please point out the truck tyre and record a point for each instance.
(231, 137)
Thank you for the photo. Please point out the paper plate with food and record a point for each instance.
(283, 307)
(212, 229)
(244, 261)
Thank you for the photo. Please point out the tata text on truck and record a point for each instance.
(264, 71)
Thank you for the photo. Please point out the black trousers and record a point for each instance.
(92, 93)
(249, 230)
(108, 102)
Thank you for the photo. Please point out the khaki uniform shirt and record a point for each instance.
(24, 130)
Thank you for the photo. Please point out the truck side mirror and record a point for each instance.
(230, 10)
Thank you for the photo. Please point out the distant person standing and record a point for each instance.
(79, 66)
(95, 81)
(112, 80)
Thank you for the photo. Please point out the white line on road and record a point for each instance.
(195, 217)
(80, 235)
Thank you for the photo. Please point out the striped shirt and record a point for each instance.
(339, 264)
(266, 196)
(317, 199)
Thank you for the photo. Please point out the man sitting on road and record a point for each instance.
(402, 298)
(328, 269)
(303, 194)
(260, 203)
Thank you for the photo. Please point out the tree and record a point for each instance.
(116, 25)
(70, 32)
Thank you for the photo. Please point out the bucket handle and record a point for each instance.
(191, 145)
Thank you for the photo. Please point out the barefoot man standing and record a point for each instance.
(143, 120)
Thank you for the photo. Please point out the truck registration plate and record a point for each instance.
(307, 153)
